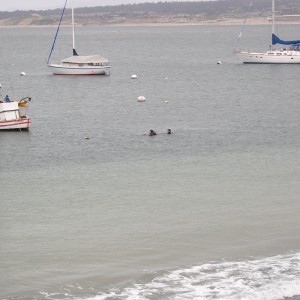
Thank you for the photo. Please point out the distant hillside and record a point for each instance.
(160, 12)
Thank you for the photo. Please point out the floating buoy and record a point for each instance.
(86, 138)
(0, 85)
(219, 63)
(166, 101)
(133, 77)
(141, 99)
(23, 74)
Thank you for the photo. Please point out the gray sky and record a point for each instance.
(10, 5)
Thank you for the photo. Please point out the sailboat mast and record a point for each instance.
(273, 16)
(73, 28)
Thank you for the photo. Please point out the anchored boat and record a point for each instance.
(78, 64)
(286, 55)
(11, 118)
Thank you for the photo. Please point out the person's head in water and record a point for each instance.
(152, 132)
(169, 131)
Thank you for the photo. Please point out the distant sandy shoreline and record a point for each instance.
(160, 22)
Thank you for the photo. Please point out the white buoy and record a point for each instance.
(0, 85)
(166, 101)
(23, 74)
(133, 77)
(219, 63)
(86, 138)
(141, 99)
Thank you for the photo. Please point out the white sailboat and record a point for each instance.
(78, 64)
(286, 55)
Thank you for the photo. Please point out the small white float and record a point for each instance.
(133, 76)
(23, 74)
(141, 99)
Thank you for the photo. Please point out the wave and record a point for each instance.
(270, 278)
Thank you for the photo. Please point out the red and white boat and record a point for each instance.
(11, 118)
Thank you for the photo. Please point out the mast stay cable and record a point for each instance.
(244, 24)
(61, 17)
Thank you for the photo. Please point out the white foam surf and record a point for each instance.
(271, 278)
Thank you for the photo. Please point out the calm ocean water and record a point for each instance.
(209, 212)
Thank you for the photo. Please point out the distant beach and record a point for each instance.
(28, 22)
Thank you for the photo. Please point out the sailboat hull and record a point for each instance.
(271, 57)
(58, 69)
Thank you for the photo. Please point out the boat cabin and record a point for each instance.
(91, 60)
(294, 47)
(9, 111)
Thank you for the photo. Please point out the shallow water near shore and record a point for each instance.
(208, 212)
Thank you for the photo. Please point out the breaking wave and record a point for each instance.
(270, 278)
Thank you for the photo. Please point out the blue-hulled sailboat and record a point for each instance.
(286, 55)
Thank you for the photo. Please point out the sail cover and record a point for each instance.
(277, 40)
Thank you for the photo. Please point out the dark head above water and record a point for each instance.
(152, 132)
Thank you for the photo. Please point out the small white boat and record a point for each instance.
(11, 117)
(286, 55)
(78, 64)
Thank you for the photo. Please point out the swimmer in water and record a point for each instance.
(152, 132)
